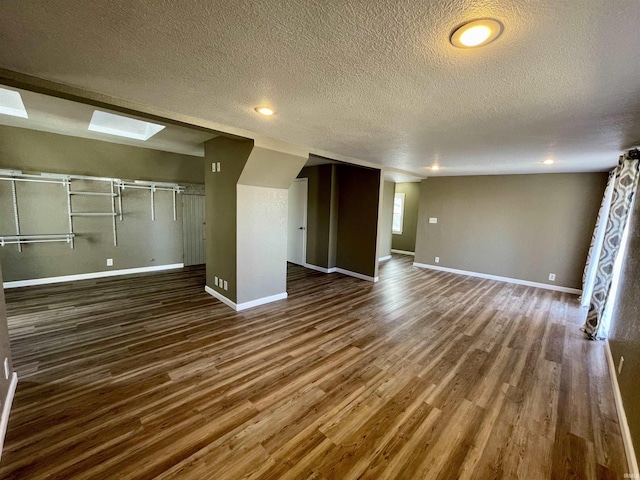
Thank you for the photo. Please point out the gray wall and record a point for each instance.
(5, 349)
(384, 239)
(221, 209)
(246, 217)
(357, 235)
(43, 207)
(406, 241)
(624, 337)
(517, 226)
(318, 213)
(333, 223)
(31, 150)
(43, 210)
(342, 217)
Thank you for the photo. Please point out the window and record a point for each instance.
(398, 213)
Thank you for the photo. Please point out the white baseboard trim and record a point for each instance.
(403, 252)
(89, 276)
(262, 301)
(220, 297)
(384, 259)
(243, 306)
(622, 417)
(320, 269)
(344, 272)
(357, 275)
(500, 279)
(6, 409)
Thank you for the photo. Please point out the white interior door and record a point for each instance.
(297, 223)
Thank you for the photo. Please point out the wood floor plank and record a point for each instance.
(425, 374)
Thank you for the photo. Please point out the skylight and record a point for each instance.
(11, 103)
(112, 124)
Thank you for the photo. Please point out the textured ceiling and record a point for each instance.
(374, 80)
(52, 114)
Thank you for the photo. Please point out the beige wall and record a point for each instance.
(384, 232)
(43, 207)
(624, 337)
(406, 241)
(271, 169)
(31, 150)
(517, 226)
(262, 242)
(263, 206)
(5, 348)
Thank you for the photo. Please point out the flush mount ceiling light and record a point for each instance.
(121, 126)
(11, 104)
(548, 161)
(264, 111)
(435, 167)
(476, 33)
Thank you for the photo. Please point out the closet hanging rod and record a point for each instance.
(35, 180)
(125, 186)
(92, 214)
(38, 236)
(99, 194)
(22, 242)
(23, 239)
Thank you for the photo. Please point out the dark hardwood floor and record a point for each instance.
(422, 375)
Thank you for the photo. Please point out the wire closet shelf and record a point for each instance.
(116, 188)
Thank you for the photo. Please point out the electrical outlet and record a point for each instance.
(552, 277)
(6, 368)
(109, 262)
(433, 220)
(225, 285)
(620, 363)
(437, 259)
(216, 281)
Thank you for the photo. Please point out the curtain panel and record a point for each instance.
(625, 178)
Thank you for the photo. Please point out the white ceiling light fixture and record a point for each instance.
(264, 111)
(121, 126)
(548, 161)
(435, 167)
(11, 103)
(476, 33)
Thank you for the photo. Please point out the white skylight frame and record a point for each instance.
(11, 103)
(122, 126)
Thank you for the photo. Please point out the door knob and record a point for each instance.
(301, 228)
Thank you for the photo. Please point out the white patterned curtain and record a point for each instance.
(591, 267)
(625, 184)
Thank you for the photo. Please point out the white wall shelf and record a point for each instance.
(116, 186)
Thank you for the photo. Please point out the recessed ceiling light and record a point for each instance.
(435, 167)
(548, 161)
(476, 33)
(121, 126)
(264, 110)
(11, 103)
